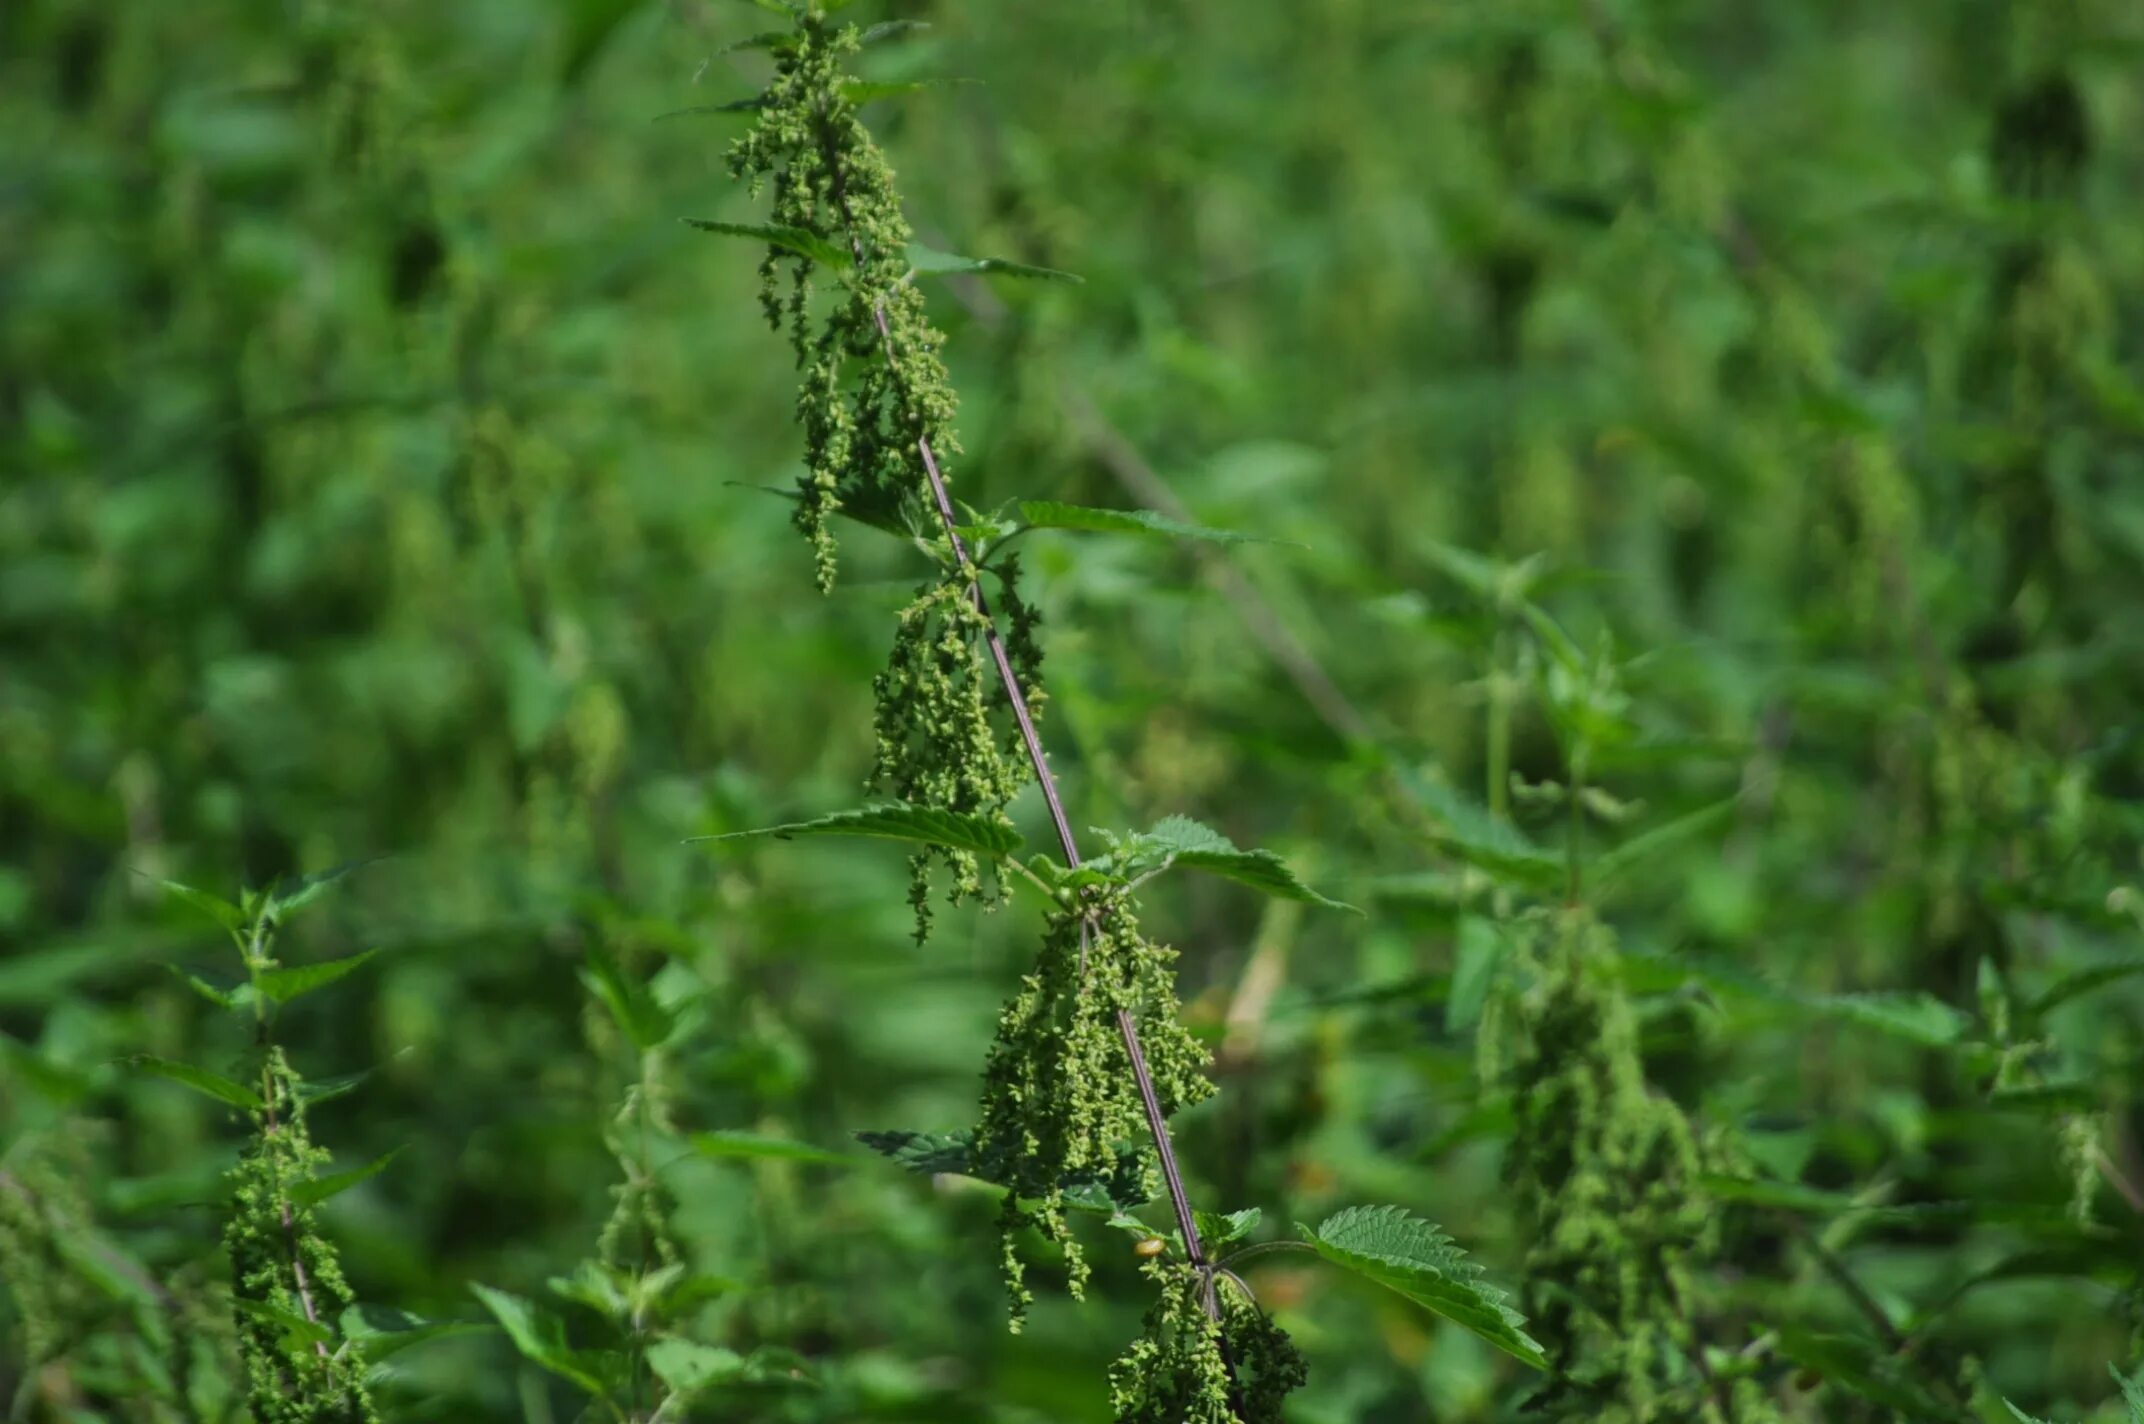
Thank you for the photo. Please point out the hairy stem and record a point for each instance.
(1157, 1124)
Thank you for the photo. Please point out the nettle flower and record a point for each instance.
(1060, 1097)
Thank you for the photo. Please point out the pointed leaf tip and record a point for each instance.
(1402, 1252)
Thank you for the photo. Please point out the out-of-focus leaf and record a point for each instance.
(1469, 833)
(646, 1023)
(297, 1330)
(378, 1332)
(320, 1189)
(1480, 953)
(1104, 1194)
(2086, 981)
(690, 1368)
(222, 911)
(1860, 1368)
(733, 1142)
(283, 901)
(1636, 851)
(540, 1337)
(238, 1095)
(283, 985)
(863, 91)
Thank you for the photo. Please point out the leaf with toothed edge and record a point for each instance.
(931, 1153)
(798, 240)
(1402, 1252)
(898, 821)
(214, 1085)
(1181, 841)
(1050, 514)
(929, 262)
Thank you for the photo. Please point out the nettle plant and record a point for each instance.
(306, 1350)
(1631, 1202)
(1090, 1059)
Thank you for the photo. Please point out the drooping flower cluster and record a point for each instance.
(939, 742)
(873, 396)
(1060, 1097)
(1604, 1175)
(868, 396)
(1187, 1367)
(287, 1282)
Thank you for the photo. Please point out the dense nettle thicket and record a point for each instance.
(1640, 509)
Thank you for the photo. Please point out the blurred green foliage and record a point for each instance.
(378, 456)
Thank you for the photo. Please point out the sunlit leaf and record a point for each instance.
(899, 822)
(1398, 1250)
(1180, 841)
(1049, 514)
(789, 239)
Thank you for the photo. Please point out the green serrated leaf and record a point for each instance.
(281, 902)
(320, 1189)
(222, 911)
(764, 40)
(1103, 1194)
(863, 91)
(1862, 1369)
(733, 1142)
(1470, 834)
(892, 29)
(221, 998)
(646, 1023)
(926, 1153)
(540, 1338)
(929, 262)
(1481, 952)
(1918, 1017)
(1402, 1252)
(283, 985)
(789, 239)
(322, 1090)
(1640, 848)
(2132, 1387)
(238, 1095)
(900, 822)
(690, 1368)
(1218, 1231)
(2050, 1099)
(1494, 582)
(735, 106)
(1181, 841)
(297, 1330)
(2085, 981)
(377, 1332)
(1050, 514)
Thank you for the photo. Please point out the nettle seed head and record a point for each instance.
(866, 399)
(283, 1269)
(872, 394)
(1060, 1101)
(1604, 1173)
(1188, 1368)
(946, 737)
